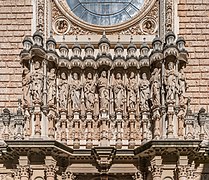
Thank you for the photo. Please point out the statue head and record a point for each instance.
(26, 71)
(63, 76)
(132, 75)
(104, 74)
(37, 65)
(170, 65)
(89, 75)
(52, 71)
(75, 76)
(118, 76)
(144, 76)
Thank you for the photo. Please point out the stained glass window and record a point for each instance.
(105, 12)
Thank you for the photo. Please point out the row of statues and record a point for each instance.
(131, 92)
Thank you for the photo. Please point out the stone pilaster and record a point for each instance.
(138, 176)
(51, 169)
(156, 168)
(182, 167)
(68, 176)
(23, 170)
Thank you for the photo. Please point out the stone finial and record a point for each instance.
(38, 38)
(51, 43)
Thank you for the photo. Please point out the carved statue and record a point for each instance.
(63, 91)
(51, 86)
(182, 85)
(119, 89)
(170, 82)
(89, 91)
(144, 92)
(132, 91)
(26, 83)
(103, 91)
(75, 91)
(37, 82)
(155, 87)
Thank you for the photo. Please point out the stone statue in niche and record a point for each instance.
(75, 91)
(119, 91)
(103, 91)
(89, 91)
(144, 92)
(132, 91)
(155, 82)
(63, 91)
(26, 83)
(51, 87)
(37, 82)
(182, 86)
(170, 82)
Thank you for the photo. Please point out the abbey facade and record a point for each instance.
(104, 90)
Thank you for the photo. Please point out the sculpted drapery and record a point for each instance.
(132, 89)
(26, 82)
(144, 92)
(103, 91)
(89, 91)
(37, 82)
(51, 86)
(75, 91)
(119, 91)
(63, 91)
(170, 82)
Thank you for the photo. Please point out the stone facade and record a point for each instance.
(86, 103)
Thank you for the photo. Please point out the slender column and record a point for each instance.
(24, 169)
(118, 124)
(68, 176)
(182, 167)
(156, 168)
(145, 120)
(89, 143)
(181, 126)
(76, 143)
(156, 119)
(45, 84)
(37, 114)
(63, 126)
(132, 138)
(50, 172)
(138, 176)
(170, 115)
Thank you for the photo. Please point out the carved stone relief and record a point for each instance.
(146, 25)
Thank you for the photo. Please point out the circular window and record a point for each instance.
(105, 12)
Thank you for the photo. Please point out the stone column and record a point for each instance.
(24, 169)
(138, 176)
(68, 176)
(76, 143)
(182, 167)
(37, 114)
(89, 143)
(63, 122)
(145, 120)
(170, 115)
(119, 125)
(132, 118)
(156, 119)
(156, 168)
(182, 172)
(50, 163)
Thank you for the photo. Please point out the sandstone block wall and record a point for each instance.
(15, 23)
(194, 27)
